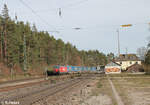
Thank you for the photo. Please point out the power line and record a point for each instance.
(74, 4)
(34, 12)
(69, 5)
(62, 7)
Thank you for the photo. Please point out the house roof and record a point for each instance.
(135, 68)
(127, 57)
(112, 63)
(134, 65)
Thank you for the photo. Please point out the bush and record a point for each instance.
(146, 68)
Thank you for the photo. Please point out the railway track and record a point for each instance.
(42, 92)
(14, 82)
(10, 85)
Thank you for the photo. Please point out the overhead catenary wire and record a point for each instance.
(74, 4)
(34, 12)
(70, 5)
(67, 6)
(61, 7)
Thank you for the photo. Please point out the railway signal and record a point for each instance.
(60, 13)
(126, 25)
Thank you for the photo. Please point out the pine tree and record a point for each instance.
(41, 47)
(5, 14)
(5, 20)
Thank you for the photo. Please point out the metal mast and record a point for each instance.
(118, 43)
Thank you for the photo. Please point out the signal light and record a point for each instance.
(126, 25)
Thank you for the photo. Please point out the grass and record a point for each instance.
(72, 77)
(99, 84)
(122, 91)
(14, 77)
(53, 81)
(128, 75)
(125, 86)
(139, 82)
(103, 87)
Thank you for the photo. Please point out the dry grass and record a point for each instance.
(128, 75)
(130, 89)
(17, 77)
(103, 87)
(139, 82)
(122, 91)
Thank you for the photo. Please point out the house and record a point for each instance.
(135, 68)
(112, 67)
(126, 60)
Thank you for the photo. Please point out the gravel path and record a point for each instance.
(101, 99)
(118, 99)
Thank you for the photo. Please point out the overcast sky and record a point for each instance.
(98, 20)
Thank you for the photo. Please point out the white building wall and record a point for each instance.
(125, 64)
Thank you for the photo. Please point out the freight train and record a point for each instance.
(74, 69)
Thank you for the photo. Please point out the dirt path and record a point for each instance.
(118, 99)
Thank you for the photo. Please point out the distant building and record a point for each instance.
(126, 60)
(135, 68)
(112, 67)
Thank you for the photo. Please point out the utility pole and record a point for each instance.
(66, 62)
(25, 56)
(82, 60)
(126, 50)
(118, 43)
(64, 55)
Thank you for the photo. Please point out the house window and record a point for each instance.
(136, 62)
(130, 62)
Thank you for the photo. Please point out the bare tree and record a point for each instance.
(141, 52)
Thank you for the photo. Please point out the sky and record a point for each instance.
(98, 20)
